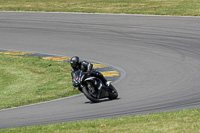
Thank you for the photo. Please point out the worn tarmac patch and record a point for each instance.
(110, 73)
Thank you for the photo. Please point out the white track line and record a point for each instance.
(78, 13)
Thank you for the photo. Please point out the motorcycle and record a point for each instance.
(92, 87)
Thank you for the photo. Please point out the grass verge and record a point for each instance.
(169, 122)
(157, 7)
(27, 79)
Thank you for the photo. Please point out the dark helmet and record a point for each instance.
(74, 61)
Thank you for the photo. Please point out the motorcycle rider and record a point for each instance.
(76, 64)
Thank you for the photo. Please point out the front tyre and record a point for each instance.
(90, 92)
(113, 94)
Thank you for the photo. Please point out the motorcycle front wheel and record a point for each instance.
(90, 92)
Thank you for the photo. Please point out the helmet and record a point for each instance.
(74, 61)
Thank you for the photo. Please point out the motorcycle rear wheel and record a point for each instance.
(113, 94)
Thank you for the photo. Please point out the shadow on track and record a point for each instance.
(101, 101)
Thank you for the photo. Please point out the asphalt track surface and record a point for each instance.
(159, 54)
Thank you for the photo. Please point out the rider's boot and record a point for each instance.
(108, 87)
(107, 83)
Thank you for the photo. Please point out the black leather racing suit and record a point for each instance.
(88, 67)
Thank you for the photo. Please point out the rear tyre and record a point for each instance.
(90, 92)
(113, 94)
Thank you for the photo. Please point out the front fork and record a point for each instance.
(99, 90)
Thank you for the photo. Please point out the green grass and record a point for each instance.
(157, 7)
(187, 121)
(26, 79)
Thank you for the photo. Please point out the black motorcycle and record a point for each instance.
(92, 87)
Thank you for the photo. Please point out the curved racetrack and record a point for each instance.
(160, 55)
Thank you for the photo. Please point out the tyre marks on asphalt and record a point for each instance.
(110, 73)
